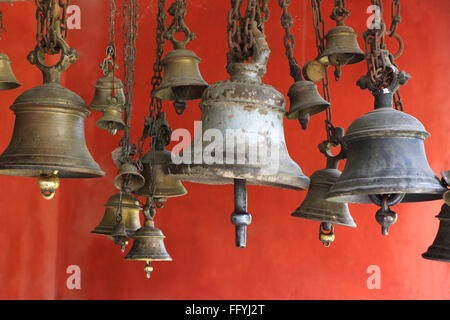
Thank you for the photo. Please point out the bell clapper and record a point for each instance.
(48, 183)
(112, 128)
(304, 120)
(337, 72)
(148, 269)
(240, 217)
(385, 216)
(326, 233)
(180, 93)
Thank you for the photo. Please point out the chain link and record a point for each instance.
(51, 24)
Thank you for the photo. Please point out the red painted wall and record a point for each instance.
(283, 259)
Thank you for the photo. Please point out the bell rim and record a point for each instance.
(313, 214)
(165, 92)
(189, 173)
(9, 85)
(148, 259)
(64, 172)
(431, 254)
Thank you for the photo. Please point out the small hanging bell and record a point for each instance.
(120, 236)
(106, 87)
(440, 249)
(158, 183)
(148, 245)
(130, 215)
(7, 79)
(182, 80)
(111, 119)
(341, 47)
(128, 179)
(314, 71)
(305, 102)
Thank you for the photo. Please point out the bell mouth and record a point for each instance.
(437, 253)
(316, 214)
(220, 175)
(362, 197)
(190, 92)
(7, 85)
(63, 172)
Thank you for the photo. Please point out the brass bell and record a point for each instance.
(7, 79)
(182, 80)
(305, 101)
(128, 179)
(148, 245)
(48, 131)
(341, 47)
(247, 115)
(440, 249)
(130, 215)
(314, 71)
(386, 156)
(106, 87)
(111, 119)
(120, 236)
(158, 183)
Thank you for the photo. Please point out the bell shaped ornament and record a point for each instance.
(341, 47)
(106, 87)
(316, 207)
(130, 215)
(440, 249)
(111, 119)
(305, 102)
(182, 80)
(7, 79)
(128, 179)
(241, 132)
(48, 134)
(148, 245)
(158, 183)
(386, 157)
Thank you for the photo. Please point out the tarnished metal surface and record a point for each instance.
(7, 79)
(316, 207)
(386, 155)
(104, 91)
(252, 110)
(158, 184)
(130, 215)
(440, 249)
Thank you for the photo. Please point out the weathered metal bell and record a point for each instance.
(158, 183)
(130, 215)
(7, 79)
(386, 156)
(305, 101)
(48, 136)
(182, 80)
(128, 179)
(111, 119)
(440, 249)
(106, 87)
(316, 207)
(148, 245)
(341, 47)
(244, 116)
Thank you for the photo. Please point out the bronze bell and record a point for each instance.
(148, 245)
(130, 215)
(305, 102)
(341, 47)
(104, 89)
(440, 249)
(48, 134)
(314, 71)
(128, 179)
(248, 115)
(158, 183)
(386, 156)
(111, 119)
(7, 79)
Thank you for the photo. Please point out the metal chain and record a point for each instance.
(51, 24)
(108, 64)
(240, 39)
(319, 28)
(130, 14)
(339, 13)
(2, 26)
(379, 58)
(289, 41)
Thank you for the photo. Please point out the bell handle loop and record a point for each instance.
(336, 139)
(180, 44)
(52, 74)
(401, 45)
(392, 199)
